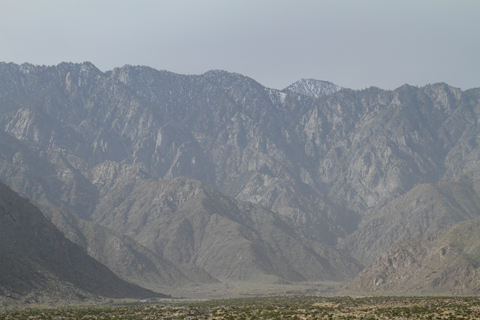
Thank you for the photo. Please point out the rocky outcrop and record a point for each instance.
(445, 262)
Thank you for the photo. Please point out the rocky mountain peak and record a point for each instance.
(313, 88)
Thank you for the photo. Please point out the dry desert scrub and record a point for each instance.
(285, 307)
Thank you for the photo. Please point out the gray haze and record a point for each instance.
(354, 44)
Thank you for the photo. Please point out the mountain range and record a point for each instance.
(214, 177)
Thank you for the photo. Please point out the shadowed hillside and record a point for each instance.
(124, 256)
(37, 262)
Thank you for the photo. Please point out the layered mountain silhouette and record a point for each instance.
(125, 257)
(168, 161)
(195, 226)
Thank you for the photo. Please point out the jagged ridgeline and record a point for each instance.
(215, 177)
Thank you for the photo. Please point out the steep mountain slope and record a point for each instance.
(442, 262)
(38, 262)
(195, 226)
(125, 257)
(46, 175)
(399, 139)
(423, 209)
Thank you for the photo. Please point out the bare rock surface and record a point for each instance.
(443, 262)
(425, 208)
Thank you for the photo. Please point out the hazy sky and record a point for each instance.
(354, 44)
